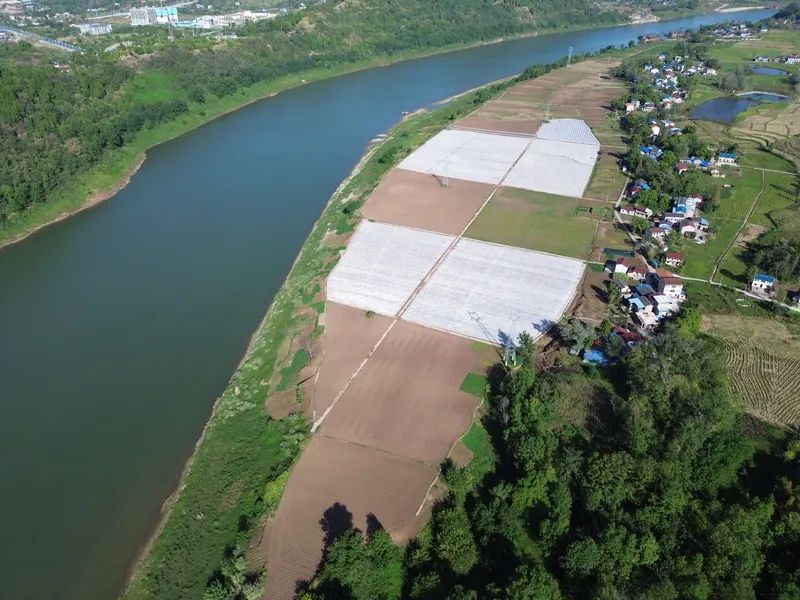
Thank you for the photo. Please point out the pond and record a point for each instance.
(759, 70)
(727, 108)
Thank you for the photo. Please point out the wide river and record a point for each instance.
(121, 326)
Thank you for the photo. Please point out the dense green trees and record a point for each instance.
(652, 490)
(56, 123)
(774, 253)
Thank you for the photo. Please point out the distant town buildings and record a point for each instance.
(94, 28)
(228, 20)
(149, 15)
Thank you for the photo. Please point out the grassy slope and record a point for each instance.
(236, 463)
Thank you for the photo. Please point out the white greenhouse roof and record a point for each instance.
(494, 292)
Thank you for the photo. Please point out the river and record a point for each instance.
(121, 325)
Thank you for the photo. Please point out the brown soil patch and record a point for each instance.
(461, 455)
(590, 302)
(749, 233)
(582, 91)
(349, 337)
(340, 484)
(419, 200)
(407, 399)
(527, 127)
(281, 404)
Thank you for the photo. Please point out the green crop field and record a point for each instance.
(607, 180)
(735, 203)
(700, 258)
(535, 221)
(780, 192)
(733, 269)
(764, 159)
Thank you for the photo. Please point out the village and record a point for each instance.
(646, 283)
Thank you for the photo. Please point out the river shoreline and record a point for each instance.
(96, 197)
(171, 500)
(8, 235)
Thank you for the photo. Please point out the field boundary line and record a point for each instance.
(449, 250)
(328, 410)
(376, 449)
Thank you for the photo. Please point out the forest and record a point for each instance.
(58, 119)
(642, 481)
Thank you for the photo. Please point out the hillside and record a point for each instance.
(62, 116)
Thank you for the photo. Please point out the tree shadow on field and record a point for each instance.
(600, 293)
(335, 522)
(738, 277)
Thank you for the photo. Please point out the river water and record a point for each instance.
(121, 325)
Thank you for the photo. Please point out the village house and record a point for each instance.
(688, 206)
(636, 211)
(761, 59)
(763, 283)
(638, 273)
(632, 106)
(792, 59)
(672, 218)
(726, 158)
(656, 233)
(640, 185)
(681, 167)
(651, 151)
(674, 259)
(669, 284)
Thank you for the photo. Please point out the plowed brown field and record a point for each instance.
(526, 126)
(335, 485)
(349, 337)
(583, 91)
(419, 200)
(407, 399)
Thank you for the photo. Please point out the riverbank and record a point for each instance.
(116, 170)
(237, 472)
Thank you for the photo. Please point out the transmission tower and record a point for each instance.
(569, 57)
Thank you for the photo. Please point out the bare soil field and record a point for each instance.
(418, 200)
(407, 399)
(334, 486)
(591, 300)
(349, 337)
(500, 124)
(582, 91)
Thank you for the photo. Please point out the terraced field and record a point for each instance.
(763, 358)
(767, 384)
(780, 192)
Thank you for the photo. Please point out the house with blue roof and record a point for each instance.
(763, 283)
(595, 357)
(727, 158)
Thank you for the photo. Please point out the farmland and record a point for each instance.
(426, 202)
(763, 357)
(535, 221)
(396, 375)
(607, 179)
